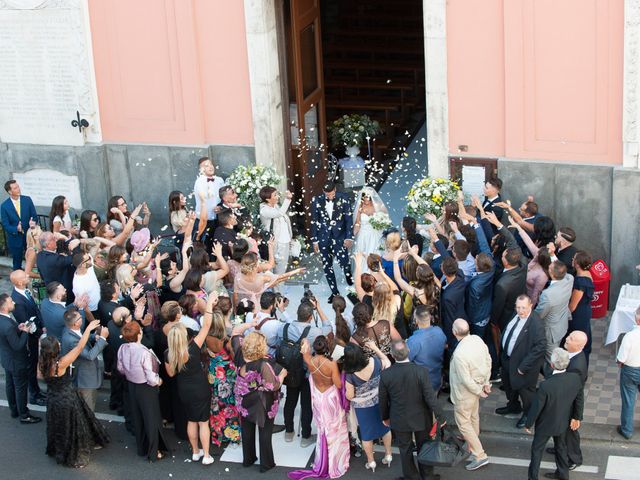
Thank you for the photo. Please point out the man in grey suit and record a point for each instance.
(89, 365)
(553, 306)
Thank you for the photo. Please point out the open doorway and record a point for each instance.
(343, 57)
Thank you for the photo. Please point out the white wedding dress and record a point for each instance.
(368, 239)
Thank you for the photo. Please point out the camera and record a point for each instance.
(31, 324)
(308, 295)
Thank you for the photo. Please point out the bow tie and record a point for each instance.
(211, 179)
(329, 201)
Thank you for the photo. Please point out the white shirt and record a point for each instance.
(23, 293)
(65, 221)
(517, 323)
(87, 283)
(629, 352)
(329, 207)
(190, 323)
(211, 191)
(573, 354)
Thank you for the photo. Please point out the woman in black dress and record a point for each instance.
(72, 429)
(580, 303)
(183, 359)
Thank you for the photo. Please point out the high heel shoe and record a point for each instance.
(371, 466)
(387, 460)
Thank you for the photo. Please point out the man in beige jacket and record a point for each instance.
(469, 375)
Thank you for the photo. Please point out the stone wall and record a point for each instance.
(137, 172)
(599, 202)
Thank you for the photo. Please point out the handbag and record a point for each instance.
(445, 451)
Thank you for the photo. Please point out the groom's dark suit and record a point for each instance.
(330, 234)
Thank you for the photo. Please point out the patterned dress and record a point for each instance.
(224, 421)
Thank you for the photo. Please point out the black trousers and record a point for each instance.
(147, 420)
(17, 253)
(249, 444)
(118, 385)
(405, 445)
(306, 414)
(537, 450)
(526, 393)
(34, 388)
(574, 452)
(342, 255)
(16, 385)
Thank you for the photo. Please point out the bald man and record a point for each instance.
(574, 344)
(26, 309)
(469, 375)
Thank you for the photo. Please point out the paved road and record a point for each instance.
(22, 457)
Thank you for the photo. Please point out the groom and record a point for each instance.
(332, 232)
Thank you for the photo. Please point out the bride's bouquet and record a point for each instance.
(429, 196)
(380, 221)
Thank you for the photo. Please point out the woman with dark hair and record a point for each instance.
(59, 217)
(245, 310)
(213, 273)
(343, 330)
(73, 431)
(141, 368)
(89, 221)
(275, 219)
(178, 215)
(409, 226)
(193, 285)
(580, 302)
(544, 231)
(380, 332)
(106, 230)
(363, 378)
(118, 214)
(332, 447)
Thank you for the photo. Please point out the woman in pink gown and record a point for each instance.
(332, 448)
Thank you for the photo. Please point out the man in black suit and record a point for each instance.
(574, 344)
(14, 357)
(25, 310)
(55, 267)
(332, 233)
(523, 345)
(452, 300)
(558, 405)
(492, 197)
(407, 405)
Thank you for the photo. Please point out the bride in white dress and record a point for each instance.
(367, 238)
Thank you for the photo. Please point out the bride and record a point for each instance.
(367, 239)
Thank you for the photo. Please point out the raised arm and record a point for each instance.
(525, 237)
(212, 301)
(398, 276)
(75, 352)
(222, 262)
(176, 282)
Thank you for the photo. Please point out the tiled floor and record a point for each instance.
(602, 395)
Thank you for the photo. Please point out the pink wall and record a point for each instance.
(475, 64)
(539, 79)
(172, 71)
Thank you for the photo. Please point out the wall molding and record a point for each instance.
(631, 86)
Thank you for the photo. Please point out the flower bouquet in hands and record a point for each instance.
(247, 182)
(380, 221)
(429, 196)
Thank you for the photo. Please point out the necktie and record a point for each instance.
(17, 204)
(506, 343)
(29, 296)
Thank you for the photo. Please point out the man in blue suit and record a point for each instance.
(14, 357)
(27, 309)
(332, 232)
(18, 215)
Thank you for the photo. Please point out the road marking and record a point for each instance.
(622, 468)
(100, 416)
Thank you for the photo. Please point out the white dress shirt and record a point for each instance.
(518, 324)
(629, 353)
(211, 191)
(329, 207)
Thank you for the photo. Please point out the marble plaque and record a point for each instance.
(47, 72)
(42, 185)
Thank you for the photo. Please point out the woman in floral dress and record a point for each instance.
(224, 421)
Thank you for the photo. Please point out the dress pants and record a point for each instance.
(17, 253)
(306, 414)
(16, 383)
(574, 451)
(147, 419)
(281, 257)
(467, 415)
(249, 443)
(118, 385)
(526, 394)
(537, 450)
(328, 252)
(34, 388)
(405, 445)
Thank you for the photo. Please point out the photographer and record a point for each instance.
(303, 327)
(280, 312)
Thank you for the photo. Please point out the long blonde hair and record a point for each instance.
(218, 328)
(384, 306)
(178, 347)
(124, 276)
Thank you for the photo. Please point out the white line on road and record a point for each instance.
(100, 416)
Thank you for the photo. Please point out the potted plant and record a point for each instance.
(351, 131)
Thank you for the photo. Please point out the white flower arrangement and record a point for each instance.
(380, 221)
(429, 196)
(247, 182)
(352, 130)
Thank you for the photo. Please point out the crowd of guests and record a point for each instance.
(195, 334)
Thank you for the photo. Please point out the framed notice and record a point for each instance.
(472, 173)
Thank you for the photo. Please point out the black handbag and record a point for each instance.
(445, 451)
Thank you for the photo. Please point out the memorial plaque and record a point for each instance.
(42, 185)
(47, 72)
